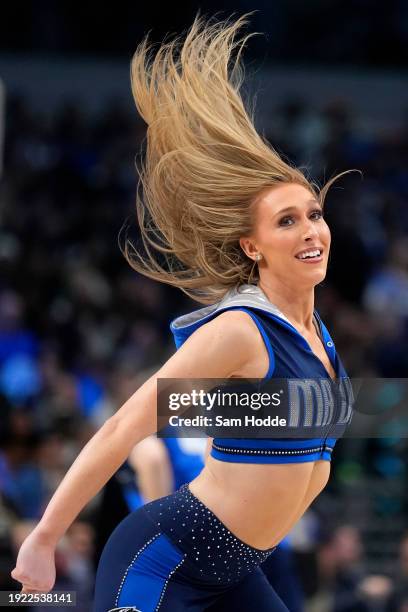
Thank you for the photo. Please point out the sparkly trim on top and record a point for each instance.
(274, 451)
(209, 544)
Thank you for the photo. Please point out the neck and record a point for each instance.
(297, 306)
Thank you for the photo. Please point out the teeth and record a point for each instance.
(315, 253)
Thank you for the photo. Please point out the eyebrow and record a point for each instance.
(289, 208)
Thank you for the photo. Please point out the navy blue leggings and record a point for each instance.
(175, 555)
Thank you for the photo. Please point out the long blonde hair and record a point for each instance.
(204, 165)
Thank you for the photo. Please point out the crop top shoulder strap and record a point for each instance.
(248, 298)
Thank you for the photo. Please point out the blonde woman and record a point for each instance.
(226, 220)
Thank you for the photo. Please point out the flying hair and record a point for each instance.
(204, 164)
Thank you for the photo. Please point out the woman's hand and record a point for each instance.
(35, 565)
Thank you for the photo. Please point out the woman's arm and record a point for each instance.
(216, 350)
(99, 459)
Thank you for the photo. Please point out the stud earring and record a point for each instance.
(258, 257)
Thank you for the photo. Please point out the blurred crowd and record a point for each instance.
(79, 329)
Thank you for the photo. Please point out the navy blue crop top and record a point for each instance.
(291, 357)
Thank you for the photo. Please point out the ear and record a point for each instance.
(249, 247)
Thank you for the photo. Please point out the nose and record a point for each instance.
(310, 230)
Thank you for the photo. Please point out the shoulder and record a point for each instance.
(232, 337)
(236, 326)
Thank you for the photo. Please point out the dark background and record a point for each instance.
(358, 33)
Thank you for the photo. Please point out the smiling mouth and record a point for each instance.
(310, 256)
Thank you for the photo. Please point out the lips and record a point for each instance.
(310, 255)
(311, 251)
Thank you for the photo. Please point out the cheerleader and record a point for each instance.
(241, 231)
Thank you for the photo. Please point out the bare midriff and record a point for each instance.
(260, 503)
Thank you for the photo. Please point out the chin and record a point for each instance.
(315, 277)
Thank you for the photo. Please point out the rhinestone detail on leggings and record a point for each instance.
(206, 540)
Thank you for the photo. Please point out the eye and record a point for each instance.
(317, 214)
(286, 221)
(289, 220)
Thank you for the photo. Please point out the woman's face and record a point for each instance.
(288, 226)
